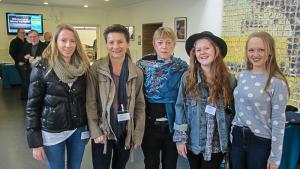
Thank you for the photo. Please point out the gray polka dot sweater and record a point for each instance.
(263, 112)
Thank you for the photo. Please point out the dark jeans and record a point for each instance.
(158, 141)
(198, 162)
(102, 161)
(24, 72)
(249, 151)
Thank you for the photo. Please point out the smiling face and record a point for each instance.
(21, 33)
(257, 54)
(66, 44)
(116, 45)
(33, 38)
(205, 52)
(164, 47)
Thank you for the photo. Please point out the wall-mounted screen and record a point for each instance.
(25, 21)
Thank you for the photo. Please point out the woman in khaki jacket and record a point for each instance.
(115, 103)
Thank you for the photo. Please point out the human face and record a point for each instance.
(164, 48)
(34, 38)
(116, 45)
(66, 44)
(21, 34)
(257, 54)
(205, 52)
(47, 36)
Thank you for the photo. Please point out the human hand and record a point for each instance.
(31, 59)
(272, 166)
(101, 139)
(27, 56)
(181, 148)
(38, 153)
(21, 63)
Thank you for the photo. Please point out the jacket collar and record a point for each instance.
(104, 69)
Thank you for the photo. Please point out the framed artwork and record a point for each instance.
(180, 24)
(131, 32)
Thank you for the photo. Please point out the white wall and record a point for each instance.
(52, 17)
(201, 15)
(87, 36)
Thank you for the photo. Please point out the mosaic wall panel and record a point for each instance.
(281, 18)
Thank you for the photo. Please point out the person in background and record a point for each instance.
(95, 48)
(260, 101)
(47, 38)
(162, 72)
(55, 112)
(15, 49)
(115, 103)
(29, 53)
(205, 98)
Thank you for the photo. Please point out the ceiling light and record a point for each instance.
(106, 0)
(45, 3)
(85, 6)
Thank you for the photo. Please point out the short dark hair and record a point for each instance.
(20, 29)
(32, 30)
(118, 28)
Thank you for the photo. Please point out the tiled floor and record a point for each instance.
(14, 153)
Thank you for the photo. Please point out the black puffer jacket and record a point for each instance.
(52, 105)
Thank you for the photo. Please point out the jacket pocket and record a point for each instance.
(191, 108)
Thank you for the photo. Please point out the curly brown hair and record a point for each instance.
(219, 86)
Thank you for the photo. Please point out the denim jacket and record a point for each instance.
(190, 122)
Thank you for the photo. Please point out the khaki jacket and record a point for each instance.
(100, 93)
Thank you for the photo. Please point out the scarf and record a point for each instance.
(68, 73)
(161, 83)
(120, 127)
(162, 79)
(122, 94)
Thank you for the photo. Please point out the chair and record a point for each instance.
(291, 143)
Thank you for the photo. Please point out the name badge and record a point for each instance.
(123, 117)
(85, 135)
(210, 109)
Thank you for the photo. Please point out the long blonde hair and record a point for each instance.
(220, 87)
(51, 53)
(271, 64)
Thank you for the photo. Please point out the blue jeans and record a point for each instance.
(249, 151)
(75, 149)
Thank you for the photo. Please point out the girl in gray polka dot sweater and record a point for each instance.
(260, 100)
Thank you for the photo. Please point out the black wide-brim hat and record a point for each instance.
(206, 34)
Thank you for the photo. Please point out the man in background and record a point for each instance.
(47, 38)
(30, 52)
(15, 49)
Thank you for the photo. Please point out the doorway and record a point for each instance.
(88, 37)
(147, 34)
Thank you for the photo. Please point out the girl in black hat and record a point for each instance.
(202, 124)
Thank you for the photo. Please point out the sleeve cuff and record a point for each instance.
(180, 127)
(180, 137)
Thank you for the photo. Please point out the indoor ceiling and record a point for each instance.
(99, 4)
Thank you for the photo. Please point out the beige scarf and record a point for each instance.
(69, 72)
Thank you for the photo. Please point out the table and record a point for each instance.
(9, 75)
(291, 147)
